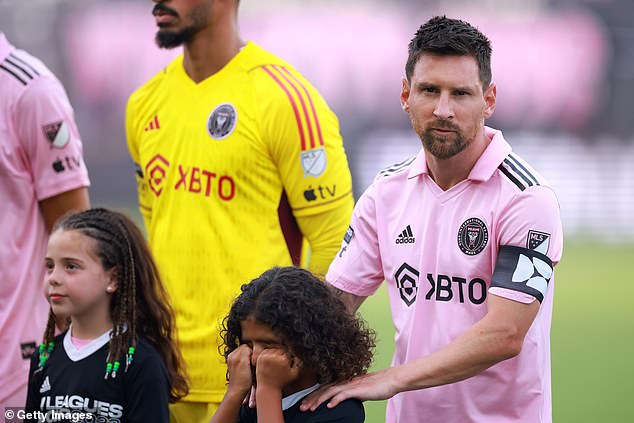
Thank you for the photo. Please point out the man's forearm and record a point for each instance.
(351, 301)
(493, 339)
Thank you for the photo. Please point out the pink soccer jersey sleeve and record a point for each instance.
(46, 127)
(357, 266)
(531, 242)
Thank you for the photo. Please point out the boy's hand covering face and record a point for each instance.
(276, 368)
(239, 365)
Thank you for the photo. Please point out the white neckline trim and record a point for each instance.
(292, 399)
(76, 354)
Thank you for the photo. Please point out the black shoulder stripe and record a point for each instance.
(517, 172)
(25, 63)
(530, 175)
(396, 167)
(511, 177)
(12, 73)
(17, 66)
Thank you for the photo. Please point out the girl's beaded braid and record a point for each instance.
(139, 303)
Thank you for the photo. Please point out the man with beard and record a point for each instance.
(238, 159)
(465, 235)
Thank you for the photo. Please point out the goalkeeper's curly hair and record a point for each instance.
(311, 321)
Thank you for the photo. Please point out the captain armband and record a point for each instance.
(522, 270)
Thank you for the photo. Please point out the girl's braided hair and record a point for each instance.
(140, 305)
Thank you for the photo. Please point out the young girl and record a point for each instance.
(118, 360)
(285, 335)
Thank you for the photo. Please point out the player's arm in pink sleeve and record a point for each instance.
(530, 240)
(356, 272)
(498, 336)
(46, 126)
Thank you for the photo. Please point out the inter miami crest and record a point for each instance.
(472, 236)
(222, 121)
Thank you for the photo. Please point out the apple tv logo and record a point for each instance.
(325, 192)
(309, 194)
(58, 166)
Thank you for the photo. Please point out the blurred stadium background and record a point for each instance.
(565, 76)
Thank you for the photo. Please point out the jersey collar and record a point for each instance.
(292, 399)
(76, 354)
(486, 165)
(5, 47)
(176, 66)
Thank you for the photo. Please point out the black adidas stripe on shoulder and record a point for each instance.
(396, 167)
(24, 63)
(517, 161)
(14, 74)
(19, 69)
(513, 169)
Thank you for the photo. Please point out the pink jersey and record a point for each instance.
(442, 253)
(40, 157)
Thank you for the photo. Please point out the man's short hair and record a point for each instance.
(450, 37)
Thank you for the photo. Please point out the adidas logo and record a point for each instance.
(406, 237)
(154, 124)
(46, 386)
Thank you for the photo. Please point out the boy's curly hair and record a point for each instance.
(310, 320)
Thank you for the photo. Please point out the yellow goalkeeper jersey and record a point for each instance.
(232, 174)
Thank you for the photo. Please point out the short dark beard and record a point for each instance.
(440, 148)
(166, 38)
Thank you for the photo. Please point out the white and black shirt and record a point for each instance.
(72, 381)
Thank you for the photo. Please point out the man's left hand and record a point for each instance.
(372, 386)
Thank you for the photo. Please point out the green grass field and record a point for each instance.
(592, 335)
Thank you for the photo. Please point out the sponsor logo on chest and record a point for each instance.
(438, 287)
(190, 179)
